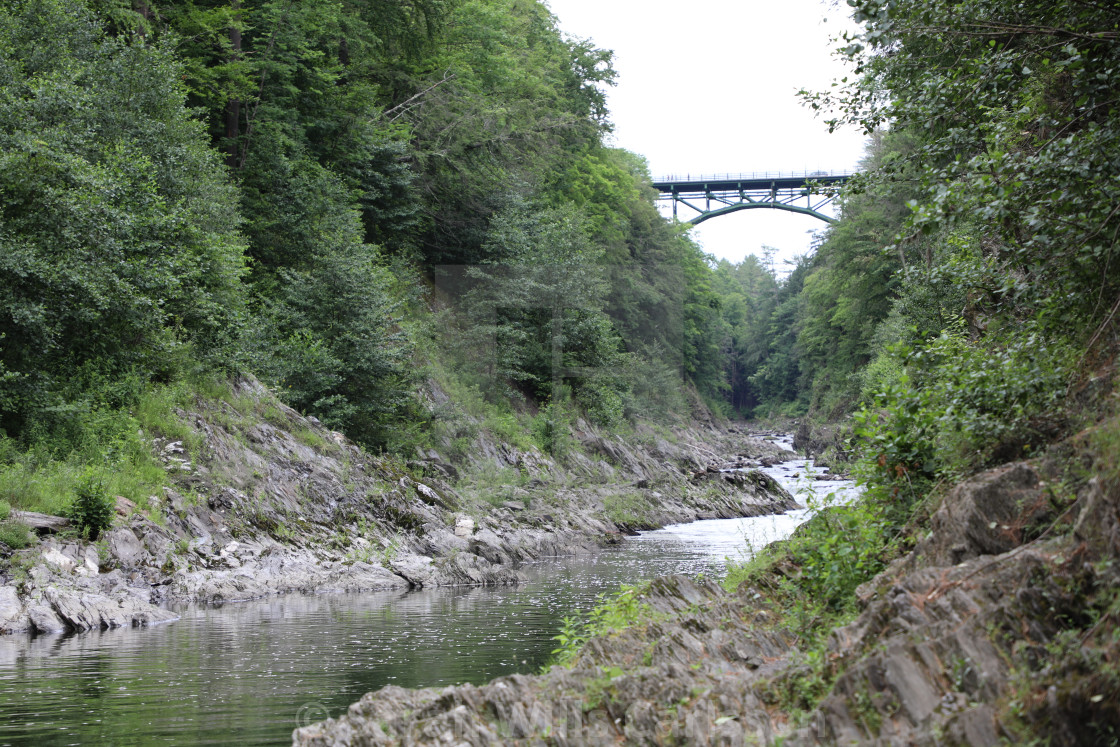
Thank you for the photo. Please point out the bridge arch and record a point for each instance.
(713, 196)
(726, 209)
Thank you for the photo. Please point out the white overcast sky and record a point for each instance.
(710, 87)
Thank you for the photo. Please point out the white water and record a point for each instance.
(736, 539)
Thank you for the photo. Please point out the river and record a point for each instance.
(250, 672)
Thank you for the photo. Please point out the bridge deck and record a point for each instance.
(700, 185)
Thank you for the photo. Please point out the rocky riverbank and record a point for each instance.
(263, 501)
(998, 627)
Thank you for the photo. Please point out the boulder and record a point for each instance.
(43, 618)
(125, 507)
(58, 559)
(125, 547)
(988, 514)
(1098, 524)
(416, 569)
(11, 610)
(431, 497)
(464, 526)
(41, 523)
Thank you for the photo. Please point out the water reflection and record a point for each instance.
(249, 668)
(249, 671)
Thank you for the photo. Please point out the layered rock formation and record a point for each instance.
(999, 626)
(265, 501)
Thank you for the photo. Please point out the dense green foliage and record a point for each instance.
(92, 509)
(615, 612)
(985, 223)
(191, 189)
(1007, 279)
(362, 143)
(968, 297)
(119, 252)
(346, 199)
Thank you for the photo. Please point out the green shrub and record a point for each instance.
(330, 341)
(506, 427)
(830, 555)
(5, 510)
(551, 430)
(613, 613)
(965, 404)
(601, 398)
(15, 535)
(656, 393)
(122, 256)
(628, 510)
(839, 549)
(92, 507)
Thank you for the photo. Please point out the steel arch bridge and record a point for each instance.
(712, 196)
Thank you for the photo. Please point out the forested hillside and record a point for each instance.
(292, 189)
(350, 199)
(196, 188)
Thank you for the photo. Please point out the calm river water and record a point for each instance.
(251, 672)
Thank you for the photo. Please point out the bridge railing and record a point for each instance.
(806, 174)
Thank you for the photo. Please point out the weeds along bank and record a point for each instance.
(242, 497)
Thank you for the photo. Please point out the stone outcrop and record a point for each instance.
(988, 514)
(264, 501)
(67, 592)
(999, 626)
(960, 642)
(823, 442)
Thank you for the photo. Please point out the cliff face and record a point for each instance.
(1000, 626)
(265, 501)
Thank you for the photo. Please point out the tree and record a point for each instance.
(118, 242)
(536, 315)
(1016, 104)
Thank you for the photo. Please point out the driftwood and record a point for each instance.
(42, 523)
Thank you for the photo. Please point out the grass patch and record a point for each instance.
(15, 535)
(155, 412)
(312, 439)
(506, 427)
(630, 511)
(106, 441)
(1104, 444)
(811, 577)
(492, 487)
(36, 480)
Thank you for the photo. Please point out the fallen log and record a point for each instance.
(41, 523)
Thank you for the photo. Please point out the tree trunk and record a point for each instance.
(145, 12)
(41, 523)
(233, 106)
